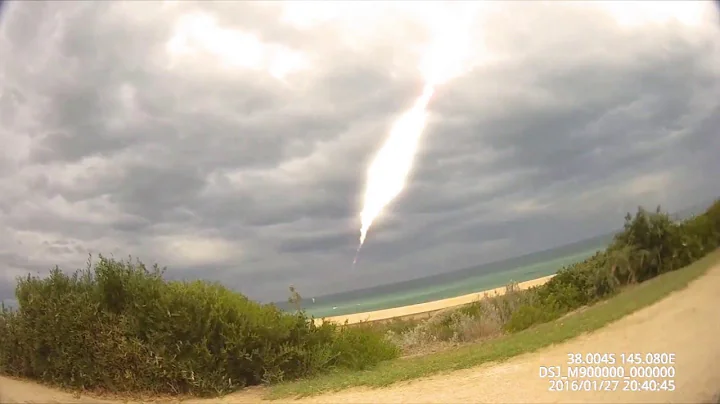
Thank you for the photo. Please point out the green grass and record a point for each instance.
(594, 317)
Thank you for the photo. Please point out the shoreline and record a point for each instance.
(427, 308)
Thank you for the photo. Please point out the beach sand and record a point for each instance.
(428, 308)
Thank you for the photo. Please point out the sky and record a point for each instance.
(229, 141)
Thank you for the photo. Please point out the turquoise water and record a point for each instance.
(463, 282)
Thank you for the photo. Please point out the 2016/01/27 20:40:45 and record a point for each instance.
(611, 385)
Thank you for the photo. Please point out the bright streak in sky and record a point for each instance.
(445, 58)
(387, 174)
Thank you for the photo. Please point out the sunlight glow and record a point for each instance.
(198, 33)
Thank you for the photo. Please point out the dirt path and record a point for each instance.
(687, 323)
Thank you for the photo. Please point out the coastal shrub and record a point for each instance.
(119, 326)
(651, 243)
(484, 318)
(359, 348)
(435, 329)
(499, 307)
(467, 328)
(528, 315)
(396, 325)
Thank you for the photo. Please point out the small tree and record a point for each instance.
(295, 299)
(621, 265)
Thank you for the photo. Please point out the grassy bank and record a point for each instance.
(120, 327)
(594, 317)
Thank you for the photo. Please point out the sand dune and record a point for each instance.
(427, 308)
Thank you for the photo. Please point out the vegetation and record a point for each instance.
(119, 326)
(650, 244)
(295, 299)
(506, 346)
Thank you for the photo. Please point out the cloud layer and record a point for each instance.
(229, 140)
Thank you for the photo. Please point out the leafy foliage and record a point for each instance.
(119, 326)
(649, 244)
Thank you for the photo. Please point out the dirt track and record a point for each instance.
(686, 323)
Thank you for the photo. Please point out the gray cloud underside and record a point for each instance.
(232, 175)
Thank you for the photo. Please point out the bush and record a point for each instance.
(650, 244)
(359, 348)
(121, 327)
(528, 315)
(482, 319)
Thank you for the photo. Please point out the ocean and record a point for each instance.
(454, 283)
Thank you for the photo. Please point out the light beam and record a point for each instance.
(388, 173)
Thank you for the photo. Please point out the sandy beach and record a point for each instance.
(427, 308)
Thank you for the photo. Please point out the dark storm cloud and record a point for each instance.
(116, 146)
